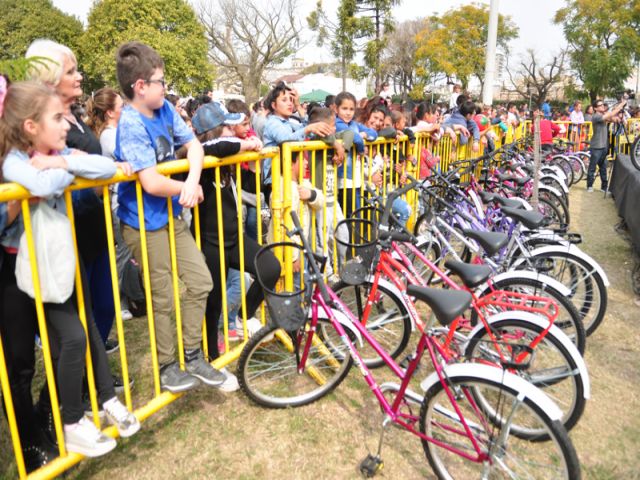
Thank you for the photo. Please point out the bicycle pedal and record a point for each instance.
(404, 363)
(370, 466)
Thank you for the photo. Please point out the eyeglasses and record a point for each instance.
(599, 105)
(159, 81)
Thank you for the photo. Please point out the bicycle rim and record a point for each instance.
(509, 457)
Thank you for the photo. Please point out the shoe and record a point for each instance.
(126, 315)
(36, 456)
(175, 380)
(235, 334)
(111, 346)
(253, 325)
(604, 190)
(590, 189)
(87, 440)
(230, 383)
(203, 371)
(118, 415)
(118, 383)
(44, 415)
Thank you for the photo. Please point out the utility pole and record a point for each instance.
(490, 62)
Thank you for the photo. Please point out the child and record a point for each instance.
(33, 133)
(304, 197)
(212, 124)
(323, 176)
(148, 130)
(350, 174)
(281, 102)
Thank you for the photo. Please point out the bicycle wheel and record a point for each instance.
(269, 374)
(578, 167)
(508, 456)
(568, 320)
(387, 321)
(553, 218)
(560, 203)
(588, 291)
(564, 163)
(553, 367)
(634, 153)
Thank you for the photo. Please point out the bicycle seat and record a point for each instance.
(471, 275)
(490, 241)
(488, 197)
(447, 305)
(529, 219)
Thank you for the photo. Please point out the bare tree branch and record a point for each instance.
(531, 79)
(245, 38)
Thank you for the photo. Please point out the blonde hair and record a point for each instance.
(103, 101)
(24, 101)
(50, 71)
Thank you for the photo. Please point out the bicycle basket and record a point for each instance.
(288, 309)
(361, 248)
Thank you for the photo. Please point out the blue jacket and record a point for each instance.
(358, 141)
(457, 118)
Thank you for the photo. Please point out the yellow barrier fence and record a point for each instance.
(388, 159)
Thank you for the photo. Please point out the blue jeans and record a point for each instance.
(233, 297)
(251, 224)
(599, 159)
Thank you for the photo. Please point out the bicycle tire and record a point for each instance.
(268, 372)
(578, 167)
(518, 457)
(553, 367)
(553, 217)
(568, 320)
(634, 152)
(390, 326)
(565, 165)
(560, 203)
(590, 299)
(430, 248)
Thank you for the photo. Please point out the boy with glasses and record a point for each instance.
(148, 131)
(599, 140)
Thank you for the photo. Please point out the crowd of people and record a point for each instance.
(46, 140)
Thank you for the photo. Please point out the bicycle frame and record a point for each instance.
(392, 409)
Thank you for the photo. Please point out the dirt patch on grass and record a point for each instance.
(207, 434)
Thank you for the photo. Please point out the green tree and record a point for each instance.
(23, 21)
(456, 42)
(169, 26)
(341, 34)
(379, 11)
(604, 41)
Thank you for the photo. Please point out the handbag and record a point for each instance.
(55, 256)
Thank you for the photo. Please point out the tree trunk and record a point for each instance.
(343, 68)
(251, 89)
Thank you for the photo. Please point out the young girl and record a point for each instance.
(33, 133)
(211, 124)
(281, 102)
(350, 173)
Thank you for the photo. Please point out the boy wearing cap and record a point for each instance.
(148, 130)
(212, 125)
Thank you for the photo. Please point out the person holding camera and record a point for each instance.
(599, 142)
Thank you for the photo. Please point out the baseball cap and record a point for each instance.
(212, 115)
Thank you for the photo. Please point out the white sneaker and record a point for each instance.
(118, 415)
(253, 325)
(87, 440)
(126, 315)
(231, 383)
(590, 189)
